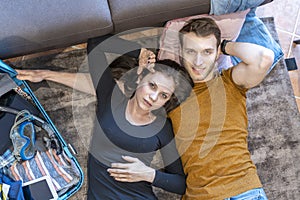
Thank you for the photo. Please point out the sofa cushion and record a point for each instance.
(31, 26)
(129, 14)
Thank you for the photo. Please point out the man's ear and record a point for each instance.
(180, 56)
(219, 52)
(180, 51)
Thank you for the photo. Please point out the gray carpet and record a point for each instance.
(274, 121)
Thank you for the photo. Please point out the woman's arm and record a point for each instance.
(172, 179)
(81, 81)
(78, 81)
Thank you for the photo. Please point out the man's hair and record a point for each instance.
(201, 27)
(124, 69)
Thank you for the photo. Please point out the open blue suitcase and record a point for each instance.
(36, 109)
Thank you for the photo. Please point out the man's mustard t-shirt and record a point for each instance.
(211, 136)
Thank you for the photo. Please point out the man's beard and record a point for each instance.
(213, 66)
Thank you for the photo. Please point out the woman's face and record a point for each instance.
(154, 90)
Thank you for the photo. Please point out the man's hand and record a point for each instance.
(133, 171)
(146, 60)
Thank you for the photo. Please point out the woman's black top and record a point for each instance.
(114, 136)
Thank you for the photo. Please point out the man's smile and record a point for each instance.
(198, 71)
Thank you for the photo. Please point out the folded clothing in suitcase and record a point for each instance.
(31, 148)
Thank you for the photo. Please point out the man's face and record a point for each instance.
(199, 56)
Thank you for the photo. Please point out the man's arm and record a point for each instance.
(256, 60)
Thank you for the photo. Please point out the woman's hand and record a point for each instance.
(34, 76)
(146, 60)
(133, 171)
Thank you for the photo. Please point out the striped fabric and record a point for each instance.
(60, 168)
(7, 159)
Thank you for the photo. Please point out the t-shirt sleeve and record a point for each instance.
(228, 77)
(172, 179)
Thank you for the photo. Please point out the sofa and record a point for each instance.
(30, 27)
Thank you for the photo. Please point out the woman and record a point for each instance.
(132, 127)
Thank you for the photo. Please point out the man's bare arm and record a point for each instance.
(256, 60)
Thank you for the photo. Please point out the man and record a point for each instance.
(211, 125)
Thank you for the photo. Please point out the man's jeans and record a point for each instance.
(253, 30)
(218, 7)
(254, 194)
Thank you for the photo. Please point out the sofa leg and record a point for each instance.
(296, 41)
(291, 64)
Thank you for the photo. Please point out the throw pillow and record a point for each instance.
(230, 25)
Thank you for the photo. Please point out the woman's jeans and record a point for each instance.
(254, 194)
